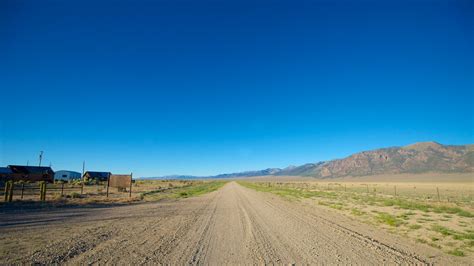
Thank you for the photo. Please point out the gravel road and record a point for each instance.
(229, 226)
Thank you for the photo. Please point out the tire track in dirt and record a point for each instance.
(153, 240)
(301, 236)
(329, 231)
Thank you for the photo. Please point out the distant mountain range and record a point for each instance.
(416, 158)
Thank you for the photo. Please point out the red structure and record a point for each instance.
(27, 173)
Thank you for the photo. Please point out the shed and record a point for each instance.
(5, 173)
(66, 175)
(31, 173)
(100, 176)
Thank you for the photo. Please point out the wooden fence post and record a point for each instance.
(45, 187)
(10, 194)
(62, 189)
(22, 189)
(7, 189)
(367, 186)
(395, 189)
(108, 182)
(131, 179)
(41, 190)
(437, 191)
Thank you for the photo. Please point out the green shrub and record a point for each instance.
(389, 219)
(442, 230)
(357, 212)
(456, 252)
(469, 235)
(414, 226)
(75, 195)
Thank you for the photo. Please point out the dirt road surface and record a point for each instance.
(234, 225)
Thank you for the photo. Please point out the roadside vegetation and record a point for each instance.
(142, 190)
(191, 189)
(444, 224)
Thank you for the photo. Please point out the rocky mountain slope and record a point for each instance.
(416, 158)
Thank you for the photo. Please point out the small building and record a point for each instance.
(65, 175)
(99, 176)
(5, 170)
(30, 173)
(5, 173)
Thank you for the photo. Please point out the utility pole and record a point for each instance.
(40, 157)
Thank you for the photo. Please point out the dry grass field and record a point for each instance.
(97, 193)
(433, 209)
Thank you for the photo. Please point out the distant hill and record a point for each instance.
(268, 171)
(416, 158)
(172, 177)
(420, 157)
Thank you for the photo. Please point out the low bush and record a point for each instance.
(75, 195)
(389, 219)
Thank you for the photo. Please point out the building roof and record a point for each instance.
(67, 171)
(67, 175)
(31, 169)
(94, 174)
(5, 170)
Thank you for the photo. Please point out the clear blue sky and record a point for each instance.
(208, 87)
